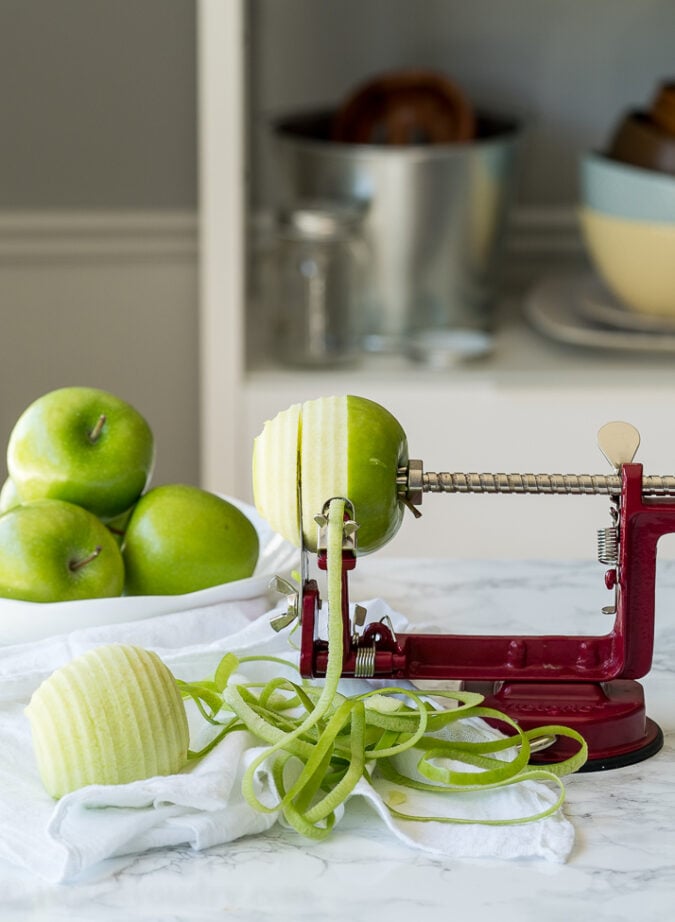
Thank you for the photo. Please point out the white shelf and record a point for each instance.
(521, 358)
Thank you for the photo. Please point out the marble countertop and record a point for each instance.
(622, 867)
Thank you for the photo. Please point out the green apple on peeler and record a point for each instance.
(335, 446)
(9, 497)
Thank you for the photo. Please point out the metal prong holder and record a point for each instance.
(584, 682)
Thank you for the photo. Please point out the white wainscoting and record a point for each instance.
(108, 299)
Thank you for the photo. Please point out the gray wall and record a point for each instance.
(569, 68)
(97, 104)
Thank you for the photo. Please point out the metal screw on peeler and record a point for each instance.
(618, 442)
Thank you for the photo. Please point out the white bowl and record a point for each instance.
(23, 622)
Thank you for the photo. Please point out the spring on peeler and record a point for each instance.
(608, 544)
(364, 664)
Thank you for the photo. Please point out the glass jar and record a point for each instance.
(317, 288)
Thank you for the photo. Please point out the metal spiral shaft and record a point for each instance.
(521, 483)
(418, 481)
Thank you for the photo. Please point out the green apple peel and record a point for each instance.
(322, 743)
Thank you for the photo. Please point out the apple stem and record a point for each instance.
(77, 564)
(95, 433)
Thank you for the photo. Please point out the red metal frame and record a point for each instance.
(587, 682)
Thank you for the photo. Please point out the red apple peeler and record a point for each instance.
(588, 683)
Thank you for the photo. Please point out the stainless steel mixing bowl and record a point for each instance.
(434, 220)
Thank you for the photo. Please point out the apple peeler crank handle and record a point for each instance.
(413, 481)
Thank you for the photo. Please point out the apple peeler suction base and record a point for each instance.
(609, 715)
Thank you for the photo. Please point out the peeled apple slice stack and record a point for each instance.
(334, 446)
(110, 716)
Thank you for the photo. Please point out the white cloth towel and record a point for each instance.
(204, 806)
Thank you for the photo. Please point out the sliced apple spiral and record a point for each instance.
(275, 472)
(110, 716)
(334, 446)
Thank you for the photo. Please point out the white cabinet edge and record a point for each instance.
(221, 94)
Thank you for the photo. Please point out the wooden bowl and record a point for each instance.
(640, 141)
(663, 108)
(404, 108)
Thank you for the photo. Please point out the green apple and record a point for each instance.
(53, 551)
(110, 716)
(334, 446)
(9, 496)
(82, 445)
(181, 538)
